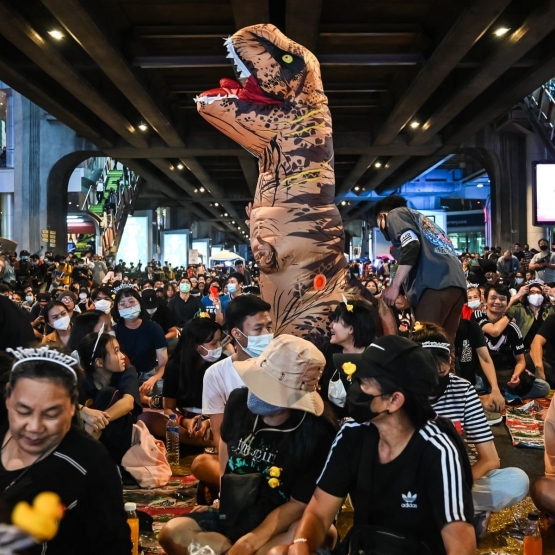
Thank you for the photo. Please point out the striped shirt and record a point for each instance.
(460, 403)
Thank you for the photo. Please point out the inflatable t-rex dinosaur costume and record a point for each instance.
(280, 115)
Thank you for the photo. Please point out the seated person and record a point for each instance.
(88, 322)
(275, 435)
(419, 491)
(353, 328)
(43, 451)
(543, 351)
(472, 358)
(474, 302)
(506, 347)
(59, 324)
(111, 388)
(543, 490)
(250, 325)
(198, 349)
(456, 399)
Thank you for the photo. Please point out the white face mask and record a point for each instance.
(130, 313)
(151, 311)
(212, 355)
(474, 304)
(337, 393)
(519, 280)
(29, 298)
(535, 299)
(61, 324)
(82, 295)
(111, 332)
(256, 343)
(104, 305)
(552, 298)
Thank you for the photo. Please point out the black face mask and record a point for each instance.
(543, 247)
(358, 404)
(439, 389)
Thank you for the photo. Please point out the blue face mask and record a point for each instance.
(231, 288)
(260, 407)
(256, 343)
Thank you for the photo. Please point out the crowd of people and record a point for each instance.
(283, 420)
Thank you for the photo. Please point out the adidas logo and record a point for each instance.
(409, 501)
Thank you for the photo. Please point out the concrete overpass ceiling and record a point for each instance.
(407, 81)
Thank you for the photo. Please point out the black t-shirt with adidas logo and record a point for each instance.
(415, 495)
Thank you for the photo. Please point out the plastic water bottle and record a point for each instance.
(172, 440)
(532, 536)
(133, 521)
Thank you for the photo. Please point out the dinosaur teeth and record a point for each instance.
(211, 99)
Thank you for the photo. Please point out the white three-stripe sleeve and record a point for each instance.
(451, 471)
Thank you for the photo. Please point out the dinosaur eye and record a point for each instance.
(287, 58)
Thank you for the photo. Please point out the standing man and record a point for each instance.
(429, 269)
(508, 265)
(240, 269)
(184, 306)
(543, 263)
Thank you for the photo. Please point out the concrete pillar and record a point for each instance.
(535, 152)
(6, 208)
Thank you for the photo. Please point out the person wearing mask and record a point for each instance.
(507, 266)
(29, 298)
(506, 347)
(374, 287)
(455, 398)
(102, 300)
(276, 433)
(213, 302)
(542, 351)
(69, 299)
(473, 302)
(184, 306)
(419, 491)
(353, 328)
(43, 451)
(250, 325)
(529, 308)
(543, 263)
(110, 388)
(84, 304)
(199, 347)
(59, 320)
(429, 270)
(80, 274)
(141, 340)
(37, 314)
(159, 313)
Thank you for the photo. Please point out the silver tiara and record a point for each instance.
(436, 345)
(43, 353)
(536, 282)
(122, 287)
(472, 285)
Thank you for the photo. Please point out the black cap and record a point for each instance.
(150, 300)
(44, 297)
(400, 360)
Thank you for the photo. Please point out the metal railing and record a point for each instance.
(542, 103)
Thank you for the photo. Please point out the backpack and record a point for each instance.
(146, 460)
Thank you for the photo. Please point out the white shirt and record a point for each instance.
(219, 381)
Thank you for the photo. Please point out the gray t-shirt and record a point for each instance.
(438, 266)
(545, 274)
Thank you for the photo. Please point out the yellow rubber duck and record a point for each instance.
(41, 519)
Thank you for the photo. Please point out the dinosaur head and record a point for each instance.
(275, 75)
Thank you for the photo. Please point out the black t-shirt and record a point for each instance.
(82, 473)
(271, 446)
(504, 348)
(125, 382)
(187, 393)
(140, 344)
(519, 255)
(548, 331)
(183, 311)
(164, 318)
(416, 494)
(469, 338)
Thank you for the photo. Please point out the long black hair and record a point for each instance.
(362, 316)
(89, 350)
(186, 356)
(82, 326)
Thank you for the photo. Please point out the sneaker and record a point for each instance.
(155, 402)
(493, 418)
(481, 521)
